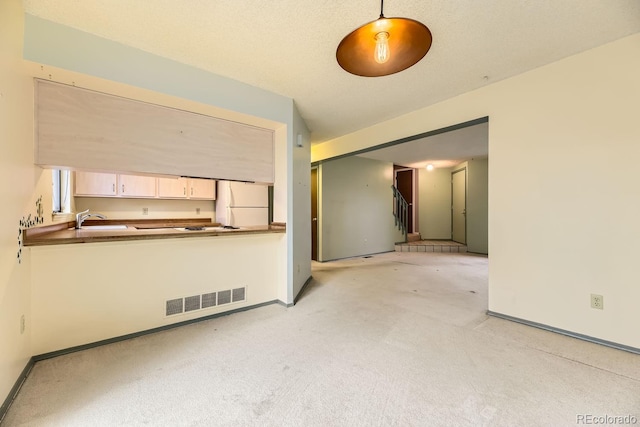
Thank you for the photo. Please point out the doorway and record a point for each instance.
(314, 214)
(404, 184)
(459, 206)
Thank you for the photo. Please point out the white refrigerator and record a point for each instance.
(241, 204)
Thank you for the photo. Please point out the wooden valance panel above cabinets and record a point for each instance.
(82, 129)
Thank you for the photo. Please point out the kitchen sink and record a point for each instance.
(195, 228)
(103, 227)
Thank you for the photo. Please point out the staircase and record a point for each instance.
(412, 241)
(400, 212)
(413, 237)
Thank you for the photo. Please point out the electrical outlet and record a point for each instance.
(145, 211)
(22, 324)
(597, 301)
(197, 211)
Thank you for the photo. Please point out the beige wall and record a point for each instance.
(562, 205)
(116, 208)
(22, 184)
(106, 290)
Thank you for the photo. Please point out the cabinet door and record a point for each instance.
(95, 184)
(172, 188)
(136, 186)
(204, 189)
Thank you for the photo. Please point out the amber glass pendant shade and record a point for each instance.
(384, 46)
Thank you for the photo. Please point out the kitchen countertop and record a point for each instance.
(65, 233)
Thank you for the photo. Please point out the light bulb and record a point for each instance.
(381, 54)
(429, 167)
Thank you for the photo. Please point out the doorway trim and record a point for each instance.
(315, 205)
(463, 125)
(414, 193)
(453, 172)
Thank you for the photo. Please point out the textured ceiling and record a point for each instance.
(288, 46)
(442, 151)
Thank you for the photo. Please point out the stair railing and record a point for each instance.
(400, 212)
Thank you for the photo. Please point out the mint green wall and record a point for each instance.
(434, 214)
(477, 206)
(356, 208)
(435, 204)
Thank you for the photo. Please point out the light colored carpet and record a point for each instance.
(399, 339)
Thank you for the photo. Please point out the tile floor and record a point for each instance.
(431, 246)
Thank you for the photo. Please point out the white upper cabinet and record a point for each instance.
(204, 189)
(172, 188)
(137, 186)
(96, 184)
(186, 188)
(82, 129)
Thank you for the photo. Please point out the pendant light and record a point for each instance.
(384, 46)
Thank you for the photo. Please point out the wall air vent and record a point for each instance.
(192, 303)
(237, 295)
(174, 306)
(224, 297)
(207, 300)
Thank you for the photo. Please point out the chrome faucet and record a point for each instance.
(81, 216)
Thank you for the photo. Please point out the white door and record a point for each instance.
(459, 206)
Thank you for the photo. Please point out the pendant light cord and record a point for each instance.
(381, 8)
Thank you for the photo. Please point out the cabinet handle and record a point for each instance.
(114, 188)
(122, 188)
(192, 191)
(184, 191)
